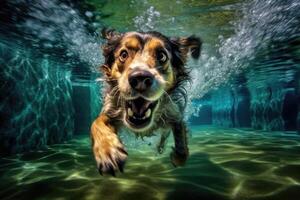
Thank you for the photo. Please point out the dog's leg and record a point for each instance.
(180, 152)
(161, 145)
(109, 152)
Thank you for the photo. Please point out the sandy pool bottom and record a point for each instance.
(223, 164)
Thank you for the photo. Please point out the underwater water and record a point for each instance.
(243, 108)
(224, 164)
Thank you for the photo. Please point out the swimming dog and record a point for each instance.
(145, 75)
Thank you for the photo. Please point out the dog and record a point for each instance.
(145, 75)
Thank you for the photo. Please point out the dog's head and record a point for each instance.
(142, 67)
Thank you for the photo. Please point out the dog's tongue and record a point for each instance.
(139, 106)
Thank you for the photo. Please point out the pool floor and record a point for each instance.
(223, 164)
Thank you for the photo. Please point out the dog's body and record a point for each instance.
(144, 73)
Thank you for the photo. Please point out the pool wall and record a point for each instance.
(270, 107)
(36, 106)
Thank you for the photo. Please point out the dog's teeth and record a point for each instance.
(130, 113)
(148, 113)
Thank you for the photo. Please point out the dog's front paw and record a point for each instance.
(109, 157)
(178, 158)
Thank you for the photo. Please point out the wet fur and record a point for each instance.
(109, 152)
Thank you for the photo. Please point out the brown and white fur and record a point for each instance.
(145, 73)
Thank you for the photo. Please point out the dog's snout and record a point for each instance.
(140, 80)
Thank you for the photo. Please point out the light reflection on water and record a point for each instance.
(223, 164)
(235, 33)
(254, 39)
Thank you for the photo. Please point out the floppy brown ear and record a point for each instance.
(112, 41)
(191, 44)
(109, 34)
(180, 47)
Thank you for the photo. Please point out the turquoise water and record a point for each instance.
(243, 107)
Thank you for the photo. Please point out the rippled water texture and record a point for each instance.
(224, 164)
(245, 91)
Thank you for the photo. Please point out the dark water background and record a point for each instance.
(243, 111)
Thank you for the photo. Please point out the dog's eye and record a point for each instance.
(162, 56)
(123, 56)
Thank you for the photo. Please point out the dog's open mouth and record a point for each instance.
(139, 112)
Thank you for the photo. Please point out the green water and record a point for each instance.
(248, 75)
(223, 164)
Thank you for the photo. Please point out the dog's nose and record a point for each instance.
(140, 80)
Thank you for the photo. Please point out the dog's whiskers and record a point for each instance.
(114, 91)
(165, 92)
(162, 119)
(121, 101)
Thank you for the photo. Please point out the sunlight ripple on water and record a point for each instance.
(262, 24)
